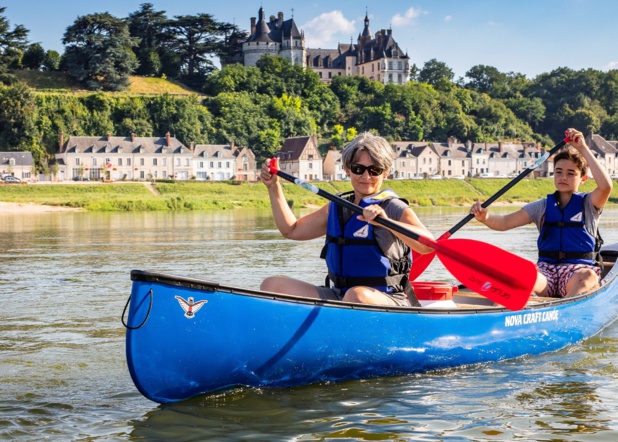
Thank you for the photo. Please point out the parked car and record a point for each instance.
(435, 177)
(11, 179)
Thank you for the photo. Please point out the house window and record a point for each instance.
(178, 161)
(187, 161)
(94, 161)
(154, 161)
(128, 161)
(310, 165)
(201, 165)
(77, 161)
(212, 165)
(449, 162)
(120, 161)
(141, 161)
(164, 161)
(227, 164)
(218, 164)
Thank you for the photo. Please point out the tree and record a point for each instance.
(434, 71)
(12, 44)
(33, 57)
(52, 60)
(195, 38)
(18, 116)
(149, 26)
(98, 52)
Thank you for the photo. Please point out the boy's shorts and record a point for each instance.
(559, 274)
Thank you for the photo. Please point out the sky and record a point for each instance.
(530, 37)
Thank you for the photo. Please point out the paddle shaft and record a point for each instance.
(506, 188)
(438, 247)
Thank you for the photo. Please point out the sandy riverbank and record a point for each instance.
(26, 208)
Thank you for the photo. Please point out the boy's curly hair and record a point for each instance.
(572, 154)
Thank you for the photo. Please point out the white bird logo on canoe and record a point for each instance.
(189, 306)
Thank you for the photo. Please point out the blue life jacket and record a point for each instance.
(354, 257)
(563, 237)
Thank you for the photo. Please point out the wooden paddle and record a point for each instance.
(473, 263)
(421, 262)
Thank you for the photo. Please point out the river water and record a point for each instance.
(64, 281)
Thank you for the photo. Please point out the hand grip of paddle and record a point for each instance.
(512, 183)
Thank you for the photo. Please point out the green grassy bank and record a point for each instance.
(133, 196)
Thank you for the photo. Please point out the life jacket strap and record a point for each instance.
(563, 256)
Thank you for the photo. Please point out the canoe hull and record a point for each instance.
(250, 338)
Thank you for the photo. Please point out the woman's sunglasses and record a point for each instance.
(359, 169)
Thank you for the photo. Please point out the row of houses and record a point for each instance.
(112, 158)
(422, 159)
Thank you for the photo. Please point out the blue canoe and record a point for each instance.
(187, 337)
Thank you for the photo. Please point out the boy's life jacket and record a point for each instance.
(354, 257)
(564, 237)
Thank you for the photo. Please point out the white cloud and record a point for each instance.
(407, 17)
(448, 18)
(321, 31)
(612, 65)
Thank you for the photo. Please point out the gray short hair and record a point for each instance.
(381, 153)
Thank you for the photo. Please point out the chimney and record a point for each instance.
(279, 19)
(192, 147)
(132, 137)
(500, 148)
(252, 25)
(538, 146)
(109, 137)
(468, 145)
(167, 140)
(61, 142)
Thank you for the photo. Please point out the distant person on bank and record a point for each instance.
(567, 221)
(367, 263)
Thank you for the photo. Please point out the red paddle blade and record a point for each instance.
(478, 266)
(421, 262)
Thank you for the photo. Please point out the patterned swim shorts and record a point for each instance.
(559, 274)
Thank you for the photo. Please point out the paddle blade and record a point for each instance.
(421, 262)
(479, 266)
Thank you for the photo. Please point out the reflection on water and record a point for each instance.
(64, 280)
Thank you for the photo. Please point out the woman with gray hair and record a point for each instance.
(367, 263)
